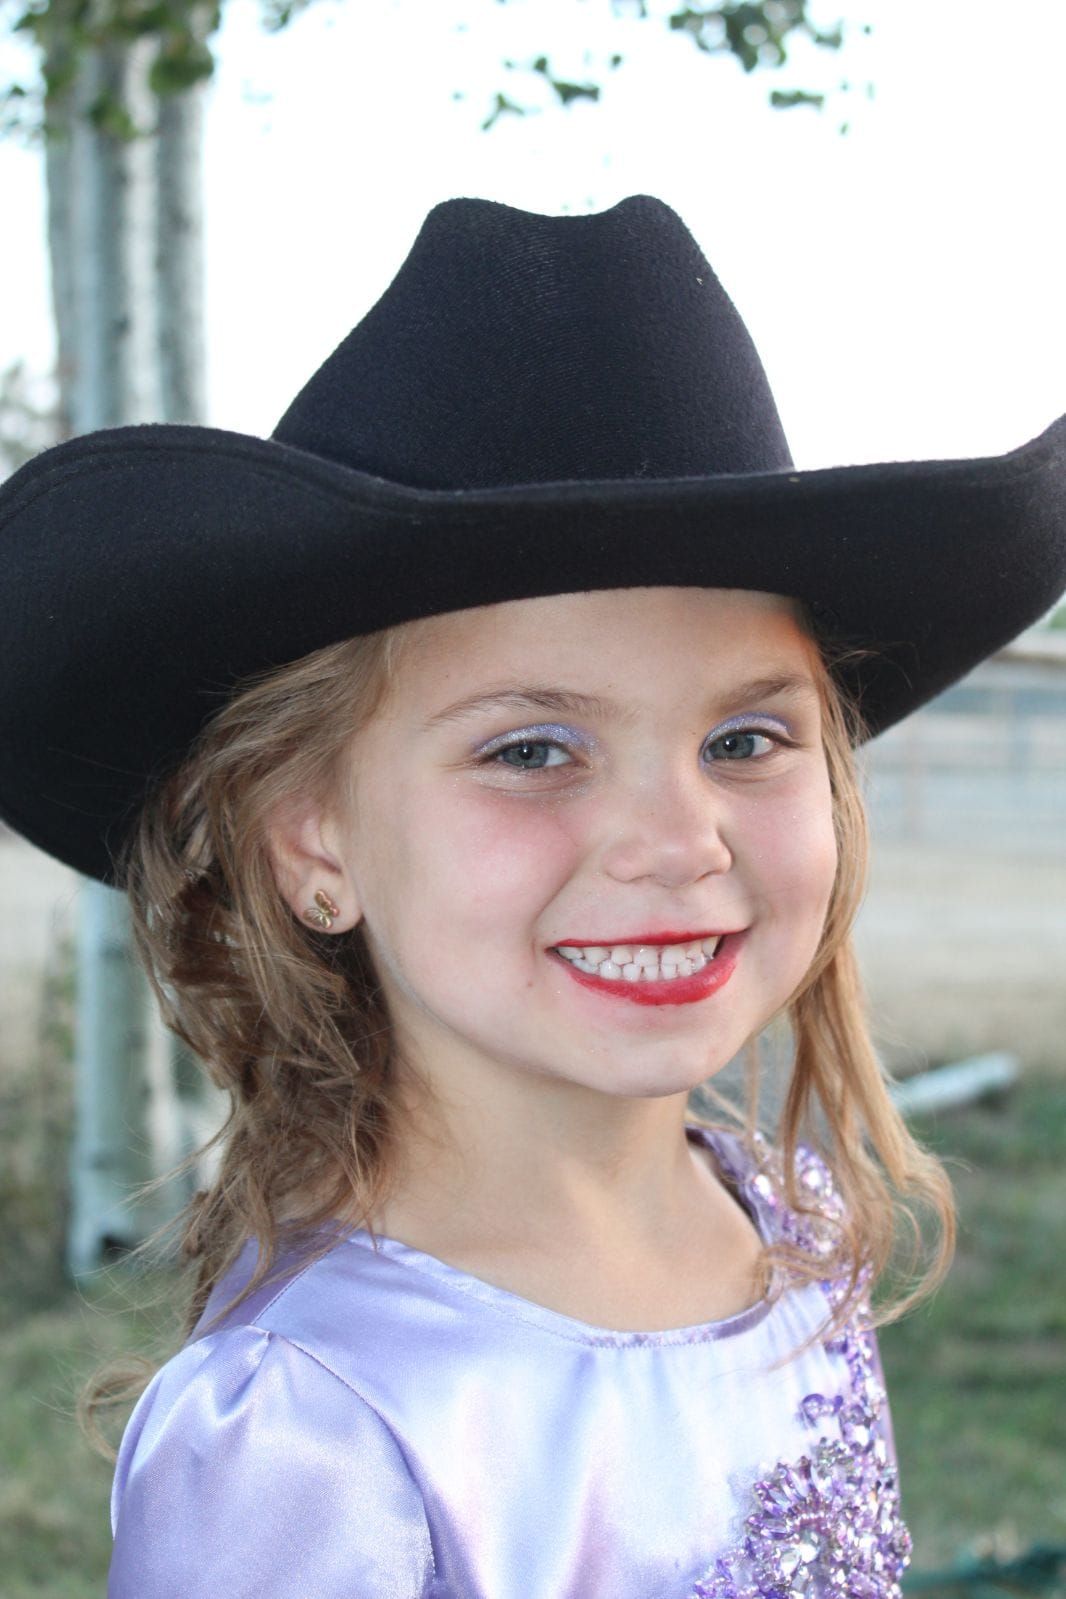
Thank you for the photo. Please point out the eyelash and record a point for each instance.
(492, 756)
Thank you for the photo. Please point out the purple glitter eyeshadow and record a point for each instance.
(547, 733)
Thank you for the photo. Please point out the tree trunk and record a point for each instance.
(118, 370)
(58, 156)
(126, 258)
(179, 257)
(193, 1108)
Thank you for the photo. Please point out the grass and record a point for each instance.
(975, 1379)
(55, 1532)
(36, 1128)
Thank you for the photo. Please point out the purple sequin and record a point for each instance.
(828, 1524)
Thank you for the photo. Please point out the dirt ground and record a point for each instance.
(962, 950)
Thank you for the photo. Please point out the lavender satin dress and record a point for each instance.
(381, 1425)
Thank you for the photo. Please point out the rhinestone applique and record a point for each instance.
(829, 1524)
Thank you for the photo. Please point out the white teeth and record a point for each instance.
(643, 962)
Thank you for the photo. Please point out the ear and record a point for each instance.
(303, 843)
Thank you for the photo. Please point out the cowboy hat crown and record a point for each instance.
(515, 348)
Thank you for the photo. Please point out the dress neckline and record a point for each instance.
(731, 1162)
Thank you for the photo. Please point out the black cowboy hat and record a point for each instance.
(536, 405)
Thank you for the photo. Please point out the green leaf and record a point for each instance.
(182, 62)
(502, 105)
(574, 91)
(109, 115)
(135, 24)
(785, 99)
(277, 14)
(59, 73)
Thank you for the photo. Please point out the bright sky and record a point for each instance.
(904, 282)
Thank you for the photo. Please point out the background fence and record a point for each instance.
(984, 766)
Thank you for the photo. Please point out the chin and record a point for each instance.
(670, 1069)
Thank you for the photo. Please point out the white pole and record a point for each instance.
(179, 257)
(125, 239)
(191, 1107)
(111, 1151)
(108, 277)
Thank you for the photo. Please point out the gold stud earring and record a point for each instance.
(323, 912)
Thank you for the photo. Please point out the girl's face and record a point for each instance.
(608, 772)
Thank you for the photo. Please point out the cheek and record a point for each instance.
(792, 850)
(479, 863)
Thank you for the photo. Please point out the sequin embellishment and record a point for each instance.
(828, 1524)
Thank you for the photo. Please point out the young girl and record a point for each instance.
(476, 755)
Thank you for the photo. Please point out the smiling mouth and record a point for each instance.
(642, 963)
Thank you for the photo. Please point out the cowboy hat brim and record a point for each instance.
(150, 568)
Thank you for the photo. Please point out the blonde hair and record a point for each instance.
(290, 1021)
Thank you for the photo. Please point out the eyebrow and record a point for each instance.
(568, 702)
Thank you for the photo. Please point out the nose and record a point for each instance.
(667, 825)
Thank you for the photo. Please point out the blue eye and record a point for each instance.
(531, 755)
(739, 745)
(530, 749)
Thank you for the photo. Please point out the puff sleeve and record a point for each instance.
(248, 1468)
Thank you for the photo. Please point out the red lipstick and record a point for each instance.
(669, 990)
(614, 941)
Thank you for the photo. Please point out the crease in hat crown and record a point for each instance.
(516, 348)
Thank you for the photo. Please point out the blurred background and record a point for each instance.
(221, 196)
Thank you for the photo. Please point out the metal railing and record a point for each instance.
(982, 765)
